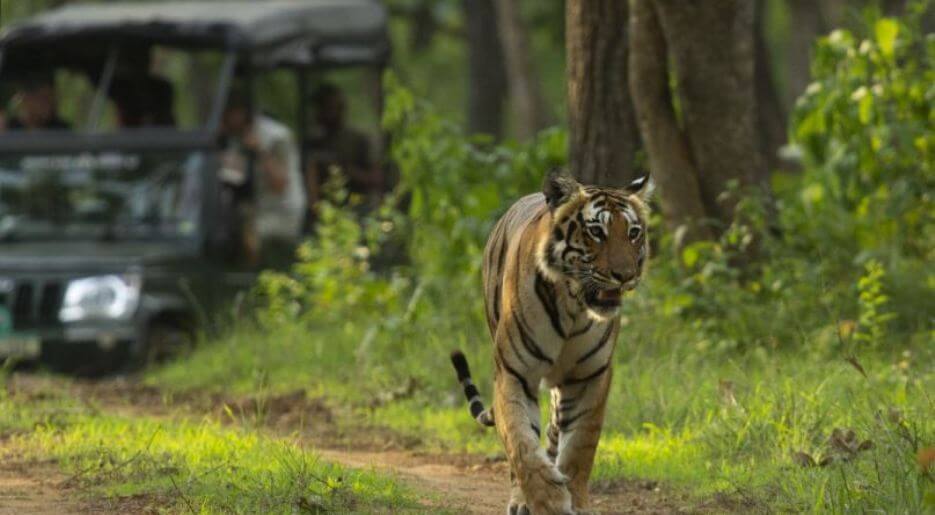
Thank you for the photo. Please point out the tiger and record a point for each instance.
(556, 267)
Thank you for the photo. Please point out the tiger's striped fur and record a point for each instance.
(555, 268)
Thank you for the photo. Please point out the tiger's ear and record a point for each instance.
(559, 187)
(642, 187)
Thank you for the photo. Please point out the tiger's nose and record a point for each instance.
(624, 278)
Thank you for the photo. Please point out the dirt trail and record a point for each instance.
(33, 489)
(464, 488)
(464, 483)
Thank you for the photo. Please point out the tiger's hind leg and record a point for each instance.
(552, 432)
(578, 416)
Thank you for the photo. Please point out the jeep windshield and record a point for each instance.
(100, 196)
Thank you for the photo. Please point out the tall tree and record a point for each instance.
(487, 83)
(603, 136)
(532, 114)
(771, 116)
(713, 146)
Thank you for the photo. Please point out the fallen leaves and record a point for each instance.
(842, 446)
(926, 459)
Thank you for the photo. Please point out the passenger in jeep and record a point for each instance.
(37, 105)
(262, 164)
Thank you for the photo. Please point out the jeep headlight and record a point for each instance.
(102, 297)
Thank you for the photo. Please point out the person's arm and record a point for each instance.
(362, 169)
(274, 167)
(272, 162)
(313, 191)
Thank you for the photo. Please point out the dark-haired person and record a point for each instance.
(271, 194)
(37, 105)
(145, 101)
(333, 144)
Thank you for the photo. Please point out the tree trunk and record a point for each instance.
(603, 136)
(422, 27)
(525, 94)
(487, 82)
(894, 7)
(806, 24)
(669, 155)
(711, 46)
(771, 118)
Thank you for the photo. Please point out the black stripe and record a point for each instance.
(528, 341)
(516, 351)
(461, 365)
(502, 256)
(599, 346)
(545, 291)
(470, 391)
(563, 424)
(570, 248)
(552, 433)
(496, 239)
(496, 303)
(586, 378)
(477, 407)
(518, 376)
(535, 429)
(582, 331)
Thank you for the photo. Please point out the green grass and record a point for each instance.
(187, 466)
(703, 420)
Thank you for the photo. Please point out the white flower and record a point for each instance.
(859, 93)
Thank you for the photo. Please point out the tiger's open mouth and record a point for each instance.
(605, 298)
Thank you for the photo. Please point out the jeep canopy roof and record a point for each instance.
(270, 33)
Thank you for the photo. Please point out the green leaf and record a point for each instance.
(866, 108)
(690, 256)
(886, 30)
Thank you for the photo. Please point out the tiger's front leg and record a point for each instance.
(542, 488)
(575, 429)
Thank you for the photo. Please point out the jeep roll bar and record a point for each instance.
(301, 35)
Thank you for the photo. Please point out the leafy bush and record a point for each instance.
(459, 185)
(865, 126)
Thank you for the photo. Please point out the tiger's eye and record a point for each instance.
(634, 233)
(596, 232)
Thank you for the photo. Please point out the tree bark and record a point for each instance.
(771, 117)
(525, 95)
(806, 24)
(711, 46)
(487, 83)
(707, 50)
(669, 155)
(603, 137)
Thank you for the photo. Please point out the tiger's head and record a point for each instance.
(597, 240)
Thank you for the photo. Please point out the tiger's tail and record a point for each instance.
(483, 416)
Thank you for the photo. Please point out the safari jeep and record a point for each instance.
(117, 244)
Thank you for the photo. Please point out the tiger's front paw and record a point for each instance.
(547, 494)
